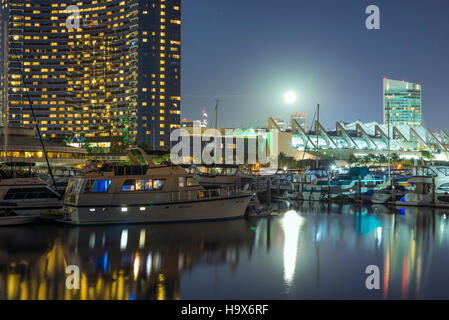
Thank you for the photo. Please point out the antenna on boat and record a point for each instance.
(316, 131)
(216, 114)
(37, 124)
(389, 153)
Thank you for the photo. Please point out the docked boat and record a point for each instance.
(421, 195)
(13, 219)
(389, 194)
(147, 194)
(343, 186)
(257, 209)
(428, 186)
(22, 192)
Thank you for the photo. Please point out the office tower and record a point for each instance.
(301, 118)
(402, 102)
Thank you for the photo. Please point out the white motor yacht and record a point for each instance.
(23, 193)
(147, 194)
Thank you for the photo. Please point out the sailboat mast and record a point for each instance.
(37, 124)
(216, 114)
(389, 160)
(5, 89)
(316, 131)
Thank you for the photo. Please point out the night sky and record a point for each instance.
(248, 53)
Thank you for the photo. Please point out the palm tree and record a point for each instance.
(282, 158)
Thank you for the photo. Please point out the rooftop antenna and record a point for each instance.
(216, 114)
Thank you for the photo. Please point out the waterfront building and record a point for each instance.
(402, 102)
(115, 78)
(280, 122)
(235, 146)
(360, 139)
(301, 118)
(24, 146)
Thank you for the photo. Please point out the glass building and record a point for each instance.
(112, 79)
(301, 118)
(402, 103)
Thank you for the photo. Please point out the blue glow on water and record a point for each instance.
(105, 262)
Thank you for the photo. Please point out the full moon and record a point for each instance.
(290, 97)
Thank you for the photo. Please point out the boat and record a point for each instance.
(342, 187)
(22, 192)
(289, 195)
(257, 209)
(147, 194)
(421, 195)
(12, 219)
(389, 194)
(429, 185)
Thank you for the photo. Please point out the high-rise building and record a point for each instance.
(113, 78)
(402, 102)
(280, 123)
(301, 118)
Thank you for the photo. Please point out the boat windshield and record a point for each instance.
(17, 170)
(74, 185)
(217, 171)
(425, 171)
(97, 185)
(444, 170)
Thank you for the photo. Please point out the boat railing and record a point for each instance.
(203, 194)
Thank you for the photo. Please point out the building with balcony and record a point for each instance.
(114, 78)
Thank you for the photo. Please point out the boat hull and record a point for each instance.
(381, 198)
(197, 210)
(15, 220)
(31, 208)
(415, 200)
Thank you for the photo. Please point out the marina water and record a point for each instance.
(307, 251)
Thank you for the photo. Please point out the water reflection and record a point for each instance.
(291, 224)
(309, 251)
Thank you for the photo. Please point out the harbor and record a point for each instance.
(302, 253)
(229, 157)
(160, 231)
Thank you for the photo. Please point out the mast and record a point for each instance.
(37, 124)
(216, 114)
(5, 88)
(316, 131)
(388, 121)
